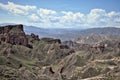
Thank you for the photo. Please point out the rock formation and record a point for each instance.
(98, 47)
(64, 46)
(51, 40)
(49, 59)
(36, 37)
(13, 34)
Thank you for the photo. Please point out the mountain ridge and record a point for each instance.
(70, 34)
(50, 59)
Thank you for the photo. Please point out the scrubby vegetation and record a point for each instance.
(50, 59)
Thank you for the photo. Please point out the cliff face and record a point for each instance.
(13, 34)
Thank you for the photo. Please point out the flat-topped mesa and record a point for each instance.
(8, 28)
(13, 34)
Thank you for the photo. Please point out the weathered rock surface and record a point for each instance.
(51, 40)
(13, 34)
(49, 59)
(36, 37)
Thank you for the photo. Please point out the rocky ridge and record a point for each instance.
(51, 59)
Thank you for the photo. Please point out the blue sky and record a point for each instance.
(62, 13)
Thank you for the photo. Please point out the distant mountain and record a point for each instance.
(71, 34)
(97, 38)
(64, 34)
(68, 33)
(105, 31)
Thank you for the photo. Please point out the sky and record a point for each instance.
(61, 13)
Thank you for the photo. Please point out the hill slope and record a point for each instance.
(49, 59)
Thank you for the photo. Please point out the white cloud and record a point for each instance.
(34, 17)
(101, 18)
(96, 17)
(16, 8)
(46, 12)
(114, 16)
(47, 16)
(70, 18)
(51, 18)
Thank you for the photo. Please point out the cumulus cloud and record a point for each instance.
(34, 17)
(71, 18)
(114, 16)
(45, 12)
(17, 9)
(51, 18)
(96, 17)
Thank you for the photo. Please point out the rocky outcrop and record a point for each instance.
(13, 34)
(64, 46)
(70, 43)
(98, 48)
(35, 37)
(51, 40)
(77, 46)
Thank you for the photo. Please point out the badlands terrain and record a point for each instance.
(28, 56)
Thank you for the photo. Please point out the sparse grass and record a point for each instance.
(25, 61)
(3, 60)
(80, 61)
(112, 63)
(56, 58)
(90, 72)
